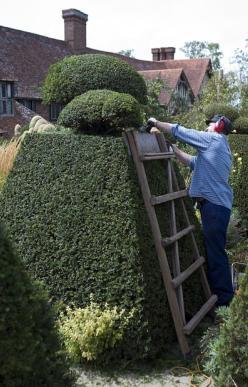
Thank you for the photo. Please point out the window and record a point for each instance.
(6, 98)
(28, 103)
(55, 109)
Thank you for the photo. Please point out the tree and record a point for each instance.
(153, 107)
(240, 58)
(197, 49)
(128, 53)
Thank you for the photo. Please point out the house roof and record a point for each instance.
(195, 70)
(25, 58)
(171, 77)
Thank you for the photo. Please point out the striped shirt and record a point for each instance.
(211, 166)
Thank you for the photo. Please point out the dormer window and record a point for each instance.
(6, 98)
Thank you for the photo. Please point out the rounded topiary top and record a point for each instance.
(221, 108)
(77, 74)
(101, 111)
(241, 125)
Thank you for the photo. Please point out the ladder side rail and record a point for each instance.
(173, 229)
(164, 266)
(204, 280)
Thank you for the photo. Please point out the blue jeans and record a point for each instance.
(215, 221)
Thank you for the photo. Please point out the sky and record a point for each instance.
(138, 25)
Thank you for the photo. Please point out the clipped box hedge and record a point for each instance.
(99, 111)
(77, 74)
(30, 351)
(76, 215)
(239, 146)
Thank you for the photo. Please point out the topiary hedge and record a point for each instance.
(77, 74)
(29, 346)
(85, 231)
(101, 111)
(239, 145)
(221, 108)
(241, 125)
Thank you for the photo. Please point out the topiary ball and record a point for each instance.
(121, 111)
(241, 125)
(221, 108)
(99, 111)
(78, 74)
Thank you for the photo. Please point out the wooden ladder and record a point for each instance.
(146, 147)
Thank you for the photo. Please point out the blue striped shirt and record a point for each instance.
(211, 166)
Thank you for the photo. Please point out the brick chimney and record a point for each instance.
(167, 53)
(75, 28)
(155, 54)
(163, 53)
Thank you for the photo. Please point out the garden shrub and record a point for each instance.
(29, 346)
(221, 108)
(239, 144)
(90, 332)
(77, 74)
(226, 357)
(241, 125)
(85, 230)
(101, 111)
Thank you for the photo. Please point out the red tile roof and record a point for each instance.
(170, 77)
(25, 58)
(195, 70)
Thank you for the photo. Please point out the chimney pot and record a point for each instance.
(75, 28)
(155, 54)
(167, 53)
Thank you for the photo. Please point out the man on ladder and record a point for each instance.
(210, 189)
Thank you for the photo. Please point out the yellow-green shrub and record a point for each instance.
(88, 332)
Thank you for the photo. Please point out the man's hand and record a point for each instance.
(152, 122)
(154, 130)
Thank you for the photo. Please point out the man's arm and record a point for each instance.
(198, 139)
(183, 157)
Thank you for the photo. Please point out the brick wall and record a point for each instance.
(22, 116)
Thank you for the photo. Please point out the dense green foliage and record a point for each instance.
(101, 111)
(226, 352)
(220, 108)
(241, 125)
(77, 74)
(85, 230)
(239, 145)
(29, 345)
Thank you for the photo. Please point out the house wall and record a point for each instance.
(21, 116)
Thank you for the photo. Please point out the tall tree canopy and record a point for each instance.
(198, 49)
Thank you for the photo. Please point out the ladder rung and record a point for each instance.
(157, 156)
(177, 281)
(168, 241)
(168, 197)
(190, 326)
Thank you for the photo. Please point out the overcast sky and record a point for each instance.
(115, 25)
